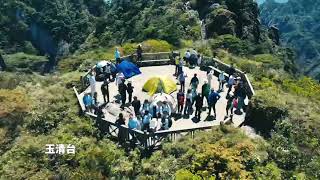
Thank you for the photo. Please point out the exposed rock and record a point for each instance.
(298, 24)
(235, 18)
(274, 34)
(220, 21)
(114, 110)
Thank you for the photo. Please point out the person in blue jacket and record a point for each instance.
(213, 99)
(146, 121)
(117, 55)
(133, 122)
(87, 101)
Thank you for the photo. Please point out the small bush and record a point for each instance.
(24, 62)
(129, 48)
(13, 101)
(231, 43)
(156, 46)
(91, 57)
(184, 174)
(305, 86)
(269, 61)
(186, 43)
(249, 66)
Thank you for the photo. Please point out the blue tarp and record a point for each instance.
(128, 69)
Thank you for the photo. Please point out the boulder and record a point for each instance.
(114, 110)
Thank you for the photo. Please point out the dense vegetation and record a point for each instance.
(37, 110)
(298, 22)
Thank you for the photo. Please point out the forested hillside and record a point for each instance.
(66, 37)
(56, 28)
(298, 23)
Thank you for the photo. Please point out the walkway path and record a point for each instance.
(168, 70)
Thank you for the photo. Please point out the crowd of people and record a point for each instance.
(149, 116)
(108, 74)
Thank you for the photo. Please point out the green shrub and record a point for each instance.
(231, 43)
(184, 174)
(185, 43)
(305, 86)
(249, 66)
(268, 172)
(269, 61)
(29, 48)
(129, 48)
(156, 46)
(13, 101)
(224, 153)
(24, 62)
(85, 60)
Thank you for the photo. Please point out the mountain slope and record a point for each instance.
(298, 22)
(38, 110)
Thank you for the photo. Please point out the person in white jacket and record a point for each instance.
(92, 81)
(221, 79)
(119, 78)
(108, 72)
(153, 125)
(209, 77)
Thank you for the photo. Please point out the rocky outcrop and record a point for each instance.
(274, 34)
(220, 21)
(240, 18)
(298, 24)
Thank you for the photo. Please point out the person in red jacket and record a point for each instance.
(180, 99)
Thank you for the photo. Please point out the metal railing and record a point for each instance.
(209, 61)
(143, 138)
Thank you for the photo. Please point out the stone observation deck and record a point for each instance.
(155, 64)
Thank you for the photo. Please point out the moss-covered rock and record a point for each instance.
(219, 22)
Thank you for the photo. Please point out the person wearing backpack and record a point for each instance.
(182, 80)
(130, 90)
(205, 91)
(199, 104)
(221, 79)
(194, 82)
(241, 94)
(188, 106)
(136, 104)
(213, 99)
(180, 100)
(123, 93)
(105, 90)
(231, 82)
(230, 105)
(139, 53)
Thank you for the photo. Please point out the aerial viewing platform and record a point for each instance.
(163, 103)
